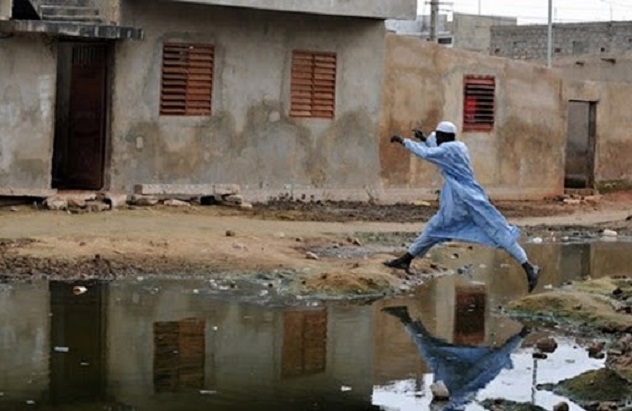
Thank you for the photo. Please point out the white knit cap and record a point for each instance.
(446, 127)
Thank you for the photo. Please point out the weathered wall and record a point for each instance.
(604, 67)
(249, 139)
(25, 345)
(530, 42)
(522, 157)
(5, 9)
(472, 32)
(27, 92)
(391, 9)
(613, 163)
(110, 10)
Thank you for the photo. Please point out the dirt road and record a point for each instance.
(278, 236)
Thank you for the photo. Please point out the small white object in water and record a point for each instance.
(609, 233)
(208, 392)
(79, 289)
(30, 402)
(196, 291)
(548, 287)
(537, 240)
(62, 349)
(482, 266)
(214, 328)
(345, 388)
(140, 278)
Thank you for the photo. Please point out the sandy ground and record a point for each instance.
(275, 237)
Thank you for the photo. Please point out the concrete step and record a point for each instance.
(75, 19)
(66, 3)
(50, 12)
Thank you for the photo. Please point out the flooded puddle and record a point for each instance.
(150, 344)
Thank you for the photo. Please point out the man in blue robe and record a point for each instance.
(465, 212)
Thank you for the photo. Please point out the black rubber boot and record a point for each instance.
(401, 263)
(533, 275)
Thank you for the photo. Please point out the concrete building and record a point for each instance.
(473, 32)
(466, 31)
(529, 42)
(595, 62)
(298, 100)
(269, 95)
(511, 115)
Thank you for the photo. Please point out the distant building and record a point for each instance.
(530, 42)
(466, 31)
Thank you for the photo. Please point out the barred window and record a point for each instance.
(479, 103)
(313, 84)
(187, 79)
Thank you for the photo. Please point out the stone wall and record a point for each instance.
(529, 42)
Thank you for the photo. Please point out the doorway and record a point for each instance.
(80, 116)
(580, 145)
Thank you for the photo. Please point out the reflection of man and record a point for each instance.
(463, 369)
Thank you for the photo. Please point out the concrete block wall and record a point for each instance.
(530, 42)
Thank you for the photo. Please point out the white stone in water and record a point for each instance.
(609, 233)
(537, 240)
(439, 391)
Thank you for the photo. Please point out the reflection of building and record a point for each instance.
(470, 312)
(304, 342)
(158, 347)
(179, 355)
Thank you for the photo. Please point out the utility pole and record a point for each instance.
(434, 17)
(549, 44)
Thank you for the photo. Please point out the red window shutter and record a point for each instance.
(187, 79)
(479, 103)
(313, 84)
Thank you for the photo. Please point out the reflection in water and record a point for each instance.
(165, 345)
(464, 369)
(78, 353)
(304, 342)
(179, 355)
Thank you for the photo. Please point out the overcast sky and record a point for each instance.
(536, 11)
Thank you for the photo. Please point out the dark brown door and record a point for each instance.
(86, 119)
(580, 144)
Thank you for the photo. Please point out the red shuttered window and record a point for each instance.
(187, 79)
(313, 84)
(479, 103)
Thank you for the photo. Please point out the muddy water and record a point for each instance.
(150, 344)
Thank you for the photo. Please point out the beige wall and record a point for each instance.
(521, 158)
(27, 111)
(250, 139)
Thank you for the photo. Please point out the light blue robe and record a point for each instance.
(465, 213)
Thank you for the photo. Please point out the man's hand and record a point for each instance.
(419, 135)
(397, 139)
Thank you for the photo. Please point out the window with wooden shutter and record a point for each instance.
(313, 85)
(187, 79)
(479, 103)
